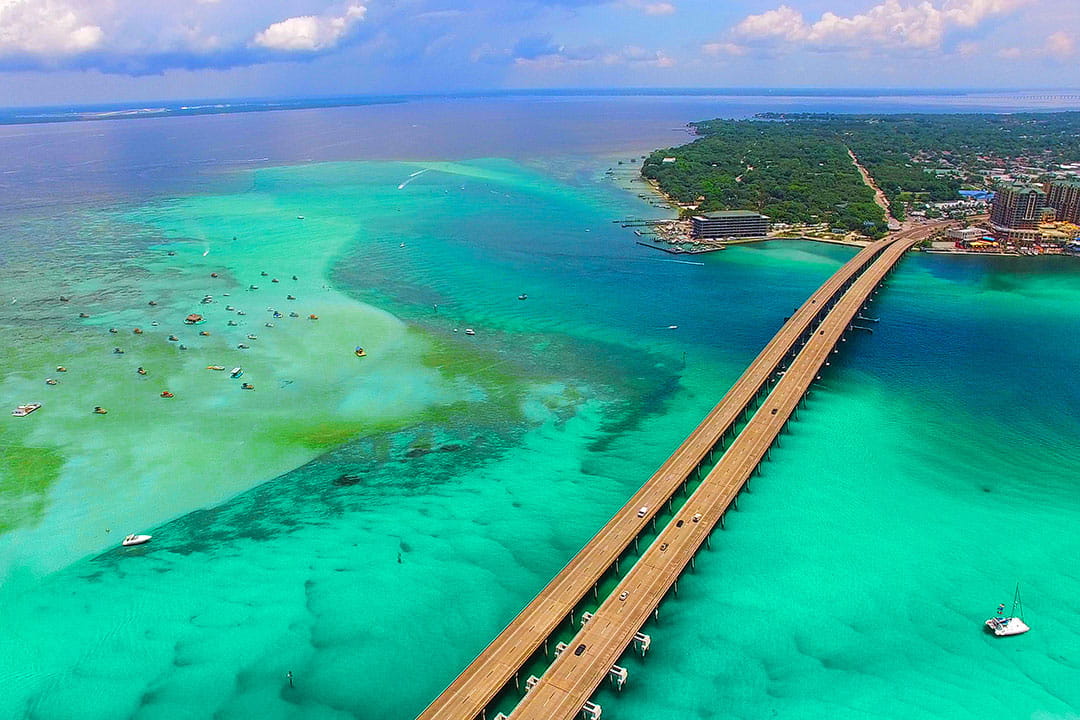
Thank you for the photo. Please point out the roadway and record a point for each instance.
(469, 694)
(572, 678)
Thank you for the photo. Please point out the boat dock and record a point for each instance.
(769, 392)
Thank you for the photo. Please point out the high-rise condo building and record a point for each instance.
(1064, 197)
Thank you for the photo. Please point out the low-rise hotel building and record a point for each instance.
(730, 224)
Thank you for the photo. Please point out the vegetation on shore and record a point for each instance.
(795, 167)
(783, 170)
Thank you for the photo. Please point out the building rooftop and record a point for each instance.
(719, 214)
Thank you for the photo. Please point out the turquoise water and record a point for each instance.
(369, 524)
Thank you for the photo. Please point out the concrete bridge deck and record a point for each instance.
(469, 694)
(572, 678)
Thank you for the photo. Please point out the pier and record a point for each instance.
(778, 379)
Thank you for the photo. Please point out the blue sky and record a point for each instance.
(58, 51)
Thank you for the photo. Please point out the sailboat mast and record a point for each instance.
(1017, 603)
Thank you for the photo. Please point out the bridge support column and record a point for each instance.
(676, 586)
(708, 538)
(723, 521)
(545, 647)
(635, 543)
(517, 682)
(596, 591)
(617, 566)
(692, 559)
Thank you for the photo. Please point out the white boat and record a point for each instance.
(236, 372)
(135, 540)
(470, 331)
(24, 410)
(1013, 624)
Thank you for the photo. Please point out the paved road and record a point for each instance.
(474, 688)
(572, 678)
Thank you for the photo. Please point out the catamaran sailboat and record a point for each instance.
(1012, 625)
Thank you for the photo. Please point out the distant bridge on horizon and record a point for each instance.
(766, 396)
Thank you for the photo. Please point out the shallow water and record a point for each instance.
(422, 494)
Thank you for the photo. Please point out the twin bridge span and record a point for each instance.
(770, 391)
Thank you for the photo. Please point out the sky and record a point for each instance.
(87, 51)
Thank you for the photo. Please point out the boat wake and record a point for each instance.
(412, 177)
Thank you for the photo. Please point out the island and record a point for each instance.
(863, 174)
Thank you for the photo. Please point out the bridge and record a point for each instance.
(782, 374)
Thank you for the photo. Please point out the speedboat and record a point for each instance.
(236, 372)
(24, 410)
(470, 331)
(166, 394)
(523, 296)
(98, 410)
(232, 323)
(360, 351)
(290, 297)
(135, 540)
(252, 337)
(247, 386)
(215, 367)
(193, 319)
(1014, 624)
(242, 346)
(50, 381)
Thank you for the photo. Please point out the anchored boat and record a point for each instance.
(1012, 625)
(24, 410)
(135, 540)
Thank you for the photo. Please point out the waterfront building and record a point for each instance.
(729, 224)
(1064, 197)
(1016, 212)
(967, 234)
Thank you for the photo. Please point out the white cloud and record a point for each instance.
(651, 8)
(968, 48)
(1060, 45)
(660, 8)
(309, 33)
(889, 24)
(720, 49)
(1010, 53)
(46, 27)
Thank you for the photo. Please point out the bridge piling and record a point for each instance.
(473, 690)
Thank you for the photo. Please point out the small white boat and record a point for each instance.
(1014, 624)
(299, 217)
(236, 372)
(470, 331)
(24, 410)
(135, 540)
